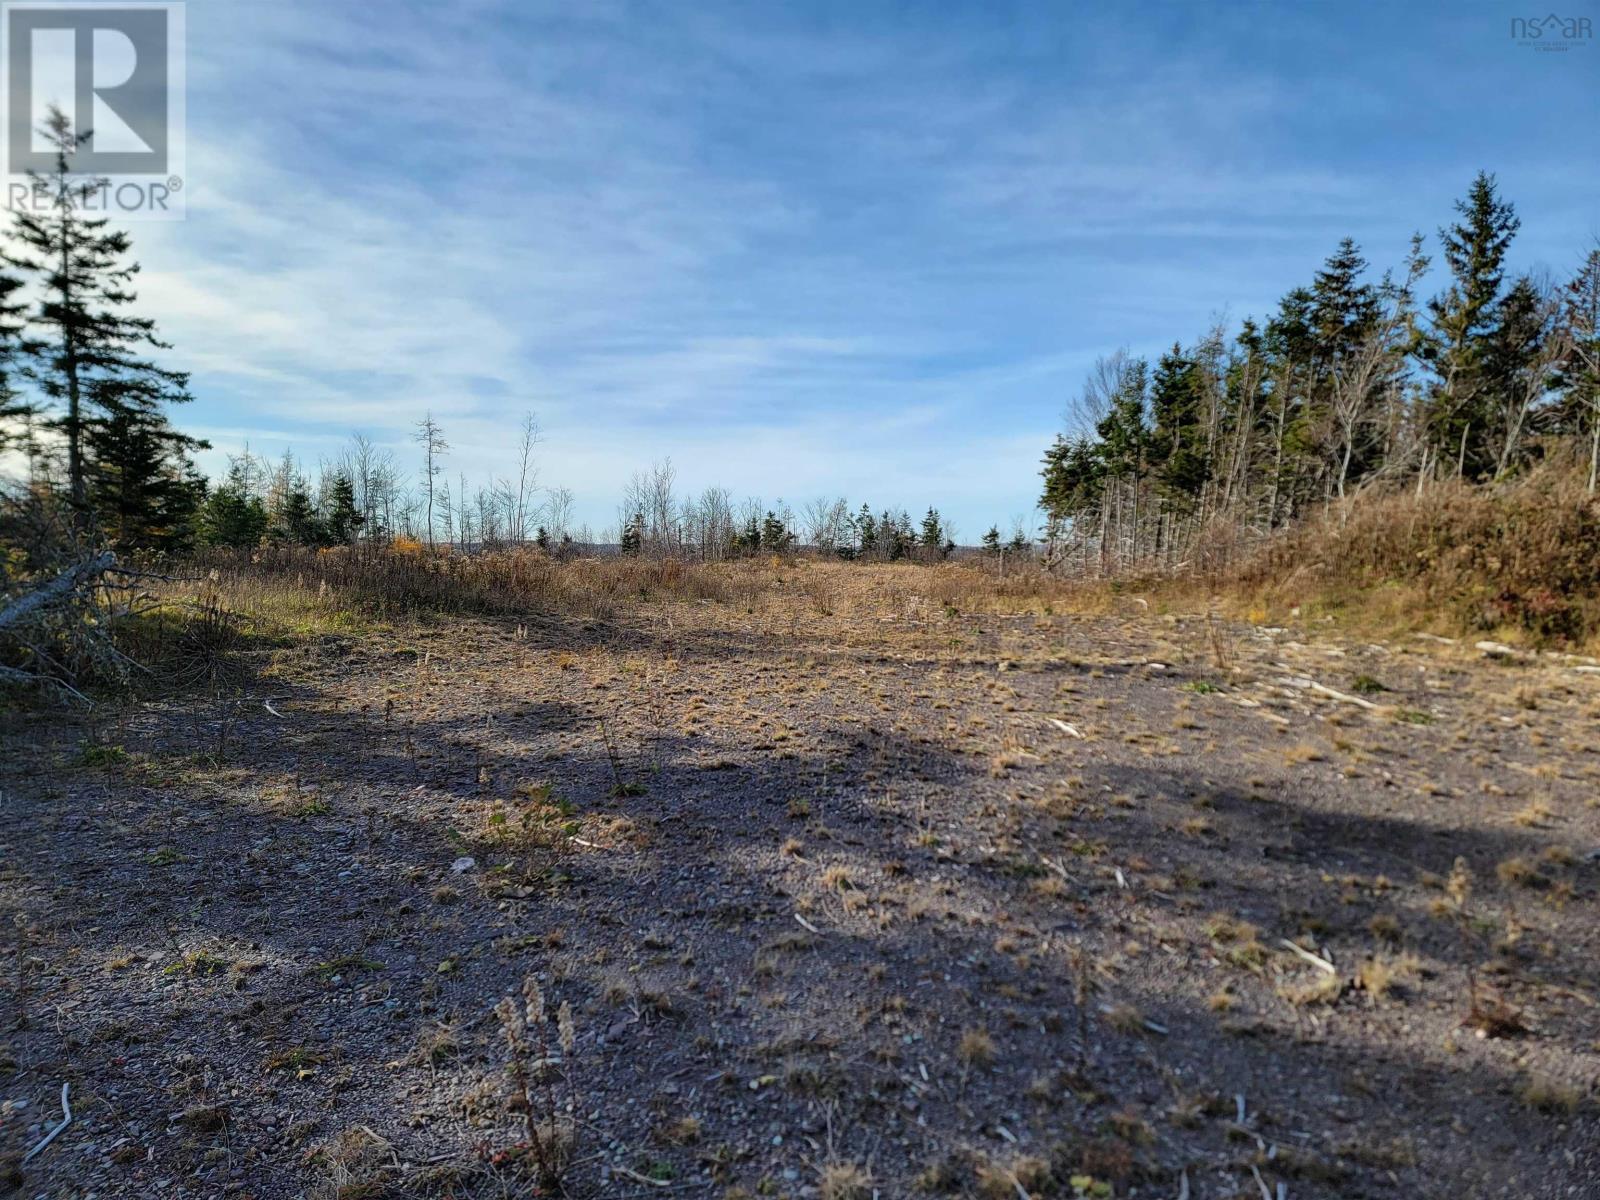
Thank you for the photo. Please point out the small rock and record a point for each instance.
(465, 863)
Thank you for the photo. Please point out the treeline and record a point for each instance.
(654, 519)
(362, 495)
(1352, 384)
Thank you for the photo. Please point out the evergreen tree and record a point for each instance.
(774, 536)
(1343, 309)
(88, 363)
(1464, 318)
(991, 540)
(145, 493)
(1074, 472)
(1178, 450)
(232, 514)
(342, 519)
(866, 532)
(1123, 432)
(633, 534)
(541, 539)
(750, 540)
(932, 531)
(294, 518)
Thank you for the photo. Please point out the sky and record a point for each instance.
(802, 249)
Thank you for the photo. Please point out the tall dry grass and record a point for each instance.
(406, 581)
(1520, 557)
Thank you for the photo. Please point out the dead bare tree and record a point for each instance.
(1550, 344)
(527, 478)
(431, 438)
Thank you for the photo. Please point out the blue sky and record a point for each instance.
(802, 249)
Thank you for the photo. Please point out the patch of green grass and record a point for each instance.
(1414, 716)
(201, 964)
(164, 857)
(95, 755)
(1366, 685)
(1201, 687)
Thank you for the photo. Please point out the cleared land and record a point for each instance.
(854, 887)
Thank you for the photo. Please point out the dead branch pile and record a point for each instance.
(60, 598)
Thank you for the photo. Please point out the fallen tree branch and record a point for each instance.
(12, 675)
(62, 586)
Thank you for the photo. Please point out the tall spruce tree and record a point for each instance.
(109, 400)
(1343, 308)
(1177, 441)
(1291, 345)
(1464, 318)
(866, 532)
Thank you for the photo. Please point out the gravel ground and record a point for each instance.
(845, 899)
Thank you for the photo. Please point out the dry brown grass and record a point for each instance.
(1520, 560)
(976, 1048)
(1384, 975)
(844, 1181)
(407, 579)
(1521, 557)
(1549, 1094)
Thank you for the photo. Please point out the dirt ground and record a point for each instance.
(848, 896)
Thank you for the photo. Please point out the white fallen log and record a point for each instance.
(1315, 960)
(1347, 698)
(1305, 684)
